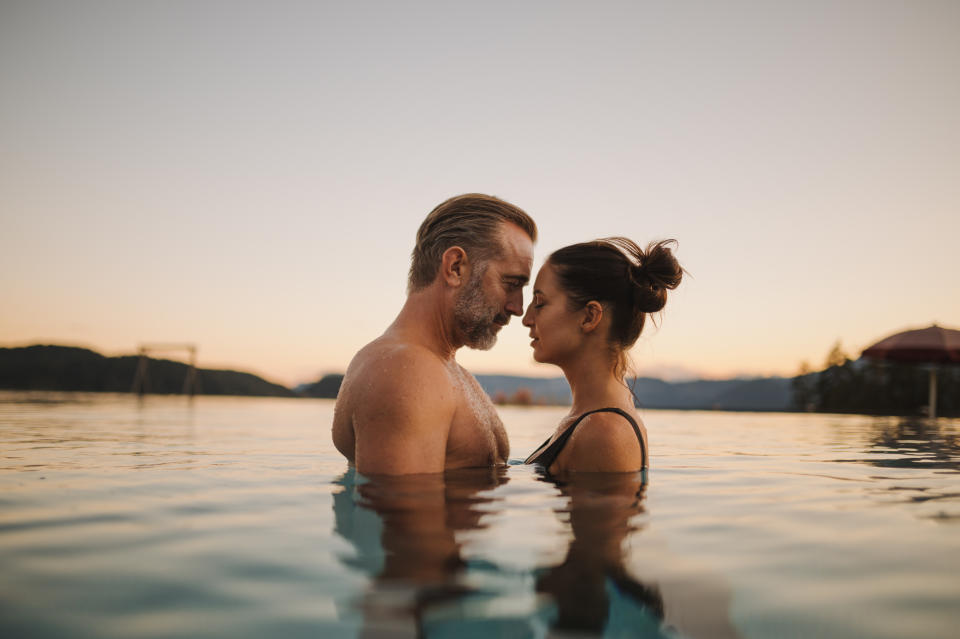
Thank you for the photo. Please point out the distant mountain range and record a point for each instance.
(70, 368)
(759, 394)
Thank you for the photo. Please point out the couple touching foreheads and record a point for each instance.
(406, 405)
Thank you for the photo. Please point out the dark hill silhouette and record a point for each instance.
(68, 368)
(327, 387)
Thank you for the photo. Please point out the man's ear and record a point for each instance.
(592, 314)
(454, 266)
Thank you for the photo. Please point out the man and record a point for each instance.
(406, 405)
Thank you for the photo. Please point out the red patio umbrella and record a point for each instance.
(931, 345)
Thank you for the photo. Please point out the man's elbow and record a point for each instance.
(398, 462)
(397, 467)
(343, 449)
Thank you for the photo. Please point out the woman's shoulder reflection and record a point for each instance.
(593, 591)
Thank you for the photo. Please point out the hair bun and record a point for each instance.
(655, 272)
(616, 272)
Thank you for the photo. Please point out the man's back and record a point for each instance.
(404, 409)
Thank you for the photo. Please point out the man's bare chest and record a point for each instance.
(476, 435)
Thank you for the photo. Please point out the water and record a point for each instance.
(235, 517)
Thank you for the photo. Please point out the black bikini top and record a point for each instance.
(546, 456)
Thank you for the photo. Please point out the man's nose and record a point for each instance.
(515, 304)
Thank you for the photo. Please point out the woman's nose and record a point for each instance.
(527, 319)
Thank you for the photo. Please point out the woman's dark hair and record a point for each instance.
(627, 280)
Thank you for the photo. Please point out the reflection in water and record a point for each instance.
(917, 443)
(406, 532)
(921, 456)
(592, 589)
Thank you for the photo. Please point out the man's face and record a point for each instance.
(494, 291)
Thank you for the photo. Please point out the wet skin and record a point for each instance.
(576, 338)
(406, 406)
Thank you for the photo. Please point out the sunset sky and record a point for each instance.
(249, 176)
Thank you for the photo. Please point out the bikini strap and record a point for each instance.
(554, 449)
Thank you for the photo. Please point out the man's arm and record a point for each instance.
(403, 420)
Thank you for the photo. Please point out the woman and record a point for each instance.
(590, 302)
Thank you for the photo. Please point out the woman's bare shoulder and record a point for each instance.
(605, 441)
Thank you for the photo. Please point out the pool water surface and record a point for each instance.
(236, 517)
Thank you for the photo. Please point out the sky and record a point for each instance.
(249, 176)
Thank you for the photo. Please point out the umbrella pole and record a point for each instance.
(933, 393)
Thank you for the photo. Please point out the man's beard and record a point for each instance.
(477, 320)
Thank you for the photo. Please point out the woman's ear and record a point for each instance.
(454, 265)
(592, 314)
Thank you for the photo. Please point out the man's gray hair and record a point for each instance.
(471, 221)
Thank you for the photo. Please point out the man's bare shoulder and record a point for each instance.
(387, 364)
(399, 400)
(464, 376)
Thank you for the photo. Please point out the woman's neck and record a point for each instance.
(594, 385)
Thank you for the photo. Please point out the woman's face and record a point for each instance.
(554, 329)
